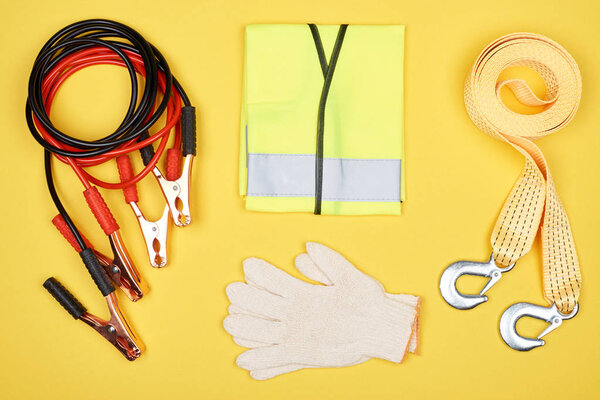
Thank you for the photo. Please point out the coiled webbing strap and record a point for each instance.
(533, 201)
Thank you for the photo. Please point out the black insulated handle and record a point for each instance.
(64, 297)
(146, 152)
(188, 130)
(97, 272)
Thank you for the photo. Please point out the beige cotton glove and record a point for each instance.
(309, 269)
(290, 324)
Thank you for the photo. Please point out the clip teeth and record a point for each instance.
(124, 344)
(128, 348)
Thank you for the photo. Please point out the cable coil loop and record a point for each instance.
(94, 42)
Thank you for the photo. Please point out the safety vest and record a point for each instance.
(322, 119)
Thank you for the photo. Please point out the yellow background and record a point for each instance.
(457, 179)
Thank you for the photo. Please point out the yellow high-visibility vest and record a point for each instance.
(362, 128)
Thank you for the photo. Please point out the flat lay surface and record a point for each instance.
(457, 179)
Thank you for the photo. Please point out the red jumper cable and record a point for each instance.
(94, 42)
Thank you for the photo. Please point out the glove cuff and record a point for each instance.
(392, 329)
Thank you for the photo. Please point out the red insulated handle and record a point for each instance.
(173, 161)
(62, 227)
(101, 211)
(126, 174)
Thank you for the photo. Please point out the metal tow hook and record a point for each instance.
(454, 271)
(508, 323)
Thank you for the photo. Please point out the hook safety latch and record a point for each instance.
(454, 271)
(508, 323)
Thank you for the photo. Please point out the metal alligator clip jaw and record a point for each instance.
(122, 270)
(508, 323)
(177, 192)
(175, 186)
(155, 236)
(155, 233)
(467, 301)
(116, 330)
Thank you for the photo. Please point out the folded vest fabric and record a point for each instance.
(292, 75)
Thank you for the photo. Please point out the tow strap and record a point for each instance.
(533, 202)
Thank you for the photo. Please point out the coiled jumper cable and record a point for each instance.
(94, 42)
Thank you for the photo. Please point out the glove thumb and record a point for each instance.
(332, 264)
(309, 269)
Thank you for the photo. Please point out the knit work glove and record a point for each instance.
(290, 324)
(309, 269)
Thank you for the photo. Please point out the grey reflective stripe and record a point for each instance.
(344, 179)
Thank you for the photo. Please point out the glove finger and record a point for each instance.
(264, 357)
(333, 265)
(268, 373)
(249, 344)
(256, 301)
(262, 274)
(254, 329)
(308, 268)
(233, 309)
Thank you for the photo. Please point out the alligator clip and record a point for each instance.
(116, 330)
(129, 274)
(175, 186)
(154, 232)
(124, 269)
(508, 323)
(120, 269)
(177, 190)
(454, 271)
